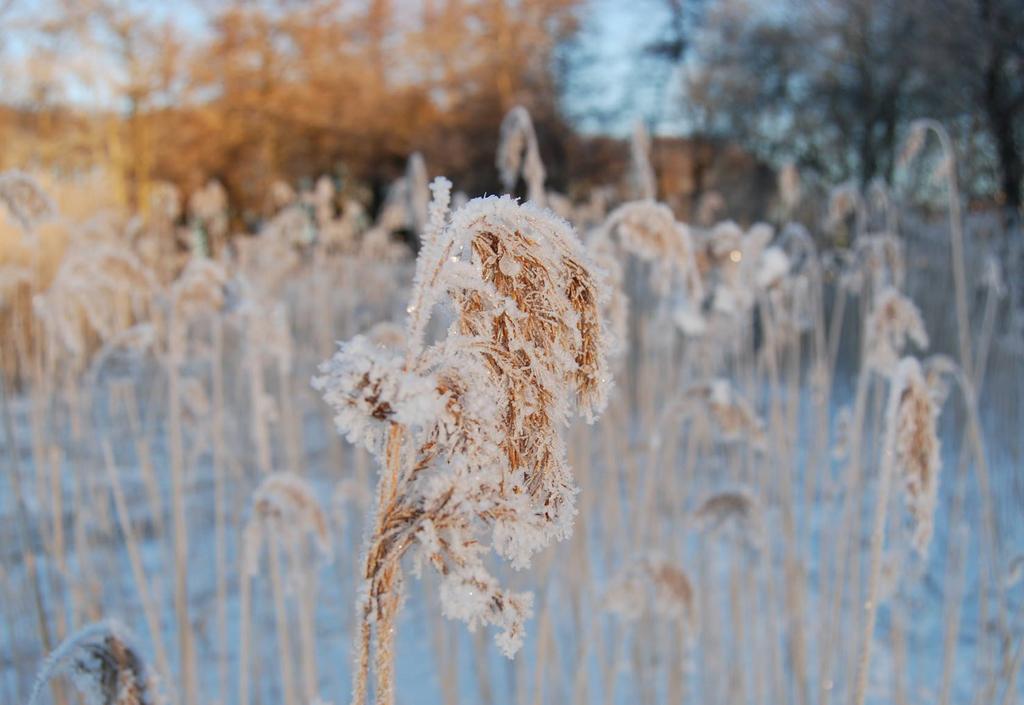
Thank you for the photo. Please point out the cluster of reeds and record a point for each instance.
(762, 510)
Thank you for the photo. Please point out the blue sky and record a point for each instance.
(608, 77)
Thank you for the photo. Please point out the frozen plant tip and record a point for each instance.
(104, 666)
(894, 320)
(25, 200)
(735, 419)
(285, 508)
(97, 291)
(788, 185)
(655, 586)
(286, 518)
(641, 174)
(733, 514)
(912, 416)
(518, 153)
(880, 262)
(200, 288)
(417, 190)
(468, 428)
(649, 231)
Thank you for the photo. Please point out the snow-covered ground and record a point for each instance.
(767, 626)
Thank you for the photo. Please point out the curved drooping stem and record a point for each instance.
(968, 377)
(910, 446)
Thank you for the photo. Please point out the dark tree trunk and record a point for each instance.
(1010, 167)
(868, 155)
(1002, 109)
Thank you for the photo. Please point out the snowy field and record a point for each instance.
(722, 549)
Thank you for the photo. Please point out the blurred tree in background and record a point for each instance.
(833, 84)
(251, 91)
(279, 89)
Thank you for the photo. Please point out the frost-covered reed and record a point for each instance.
(467, 429)
(104, 665)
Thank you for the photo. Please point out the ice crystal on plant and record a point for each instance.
(468, 428)
(474, 597)
(105, 666)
